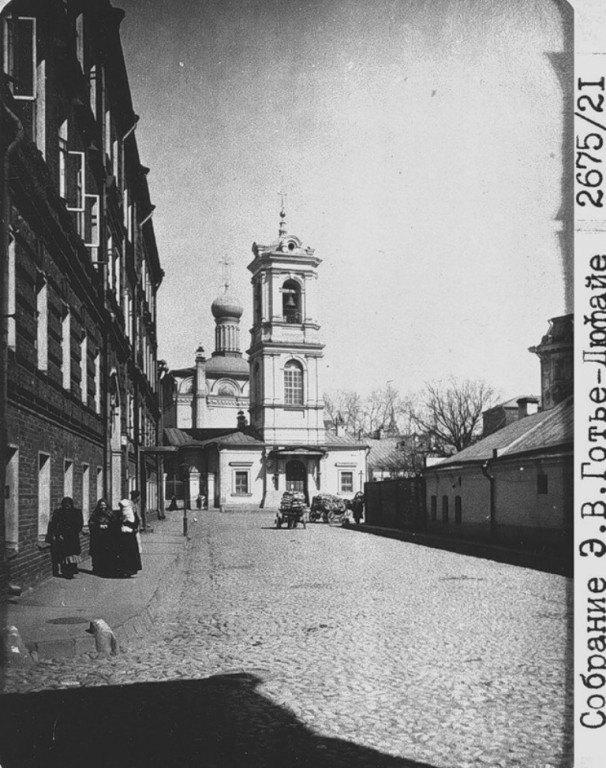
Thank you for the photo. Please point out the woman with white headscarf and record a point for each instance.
(129, 545)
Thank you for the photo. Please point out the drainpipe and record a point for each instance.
(5, 215)
(131, 129)
(492, 480)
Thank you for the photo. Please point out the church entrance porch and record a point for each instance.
(296, 477)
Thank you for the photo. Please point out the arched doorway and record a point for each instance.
(296, 476)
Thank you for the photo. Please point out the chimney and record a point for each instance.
(527, 406)
(339, 425)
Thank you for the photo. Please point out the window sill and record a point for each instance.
(241, 494)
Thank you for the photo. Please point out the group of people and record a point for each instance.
(115, 544)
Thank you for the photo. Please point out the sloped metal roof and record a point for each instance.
(384, 454)
(543, 431)
(177, 437)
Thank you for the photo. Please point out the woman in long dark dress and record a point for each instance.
(63, 535)
(103, 535)
(129, 553)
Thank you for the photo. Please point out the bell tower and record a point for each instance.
(286, 404)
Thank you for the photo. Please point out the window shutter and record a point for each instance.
(20, 55)
(75, 181)
(91, 221)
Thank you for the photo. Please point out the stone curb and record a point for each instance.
(129, 630)
(523, 558)
(142, 623)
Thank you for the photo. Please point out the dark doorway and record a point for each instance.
(296, 477)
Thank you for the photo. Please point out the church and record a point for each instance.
(212, 449)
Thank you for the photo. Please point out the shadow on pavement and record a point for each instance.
(219, 722)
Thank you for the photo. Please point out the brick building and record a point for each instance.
(80, 272)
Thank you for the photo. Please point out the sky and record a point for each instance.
(419, 143)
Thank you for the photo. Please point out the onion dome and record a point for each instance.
(226, 305)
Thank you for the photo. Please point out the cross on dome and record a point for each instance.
(282, 230)
(226, 263)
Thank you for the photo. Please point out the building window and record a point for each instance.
(44, 493)
(241, 482)
(11, 499)
(434, 508)
(20, 55)
(63, 153)
(130, 415)
(346, 482)
(99, 483)
(98, 382)
(91, 223)
(85, 493)
(542, 484)
(66, 357)
(92, 88)
(444, 509)
(68, 478)
(39, 122)
(227, 390)
(80, 39)
(42, 324)
(293, 384)
(116, 156)
(108, 136)
(12, 296)
(111, 261)
(84, 369)
(291, 301)
(458, 511)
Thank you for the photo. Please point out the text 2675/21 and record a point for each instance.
(589, 154)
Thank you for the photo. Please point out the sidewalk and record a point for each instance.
(52, 618)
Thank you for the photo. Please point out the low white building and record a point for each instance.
(515, 486)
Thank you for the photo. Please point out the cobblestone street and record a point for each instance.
(421, 655)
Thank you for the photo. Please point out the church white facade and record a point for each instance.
(235, 461)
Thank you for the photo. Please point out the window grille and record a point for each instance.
(293, 384)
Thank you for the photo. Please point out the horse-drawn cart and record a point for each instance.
(328, 508)
(292, 510)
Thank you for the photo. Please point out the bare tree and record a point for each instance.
(384, 408)
(451, 412)
(347, 405)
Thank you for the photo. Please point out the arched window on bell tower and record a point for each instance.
(291, 302)
(293, 383)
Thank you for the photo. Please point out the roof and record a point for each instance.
(384, 453)
(227, 364)
(543, 431)
(177, 437)
(232, 436)
(226, 306)
(332, 440)
(192, 438)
